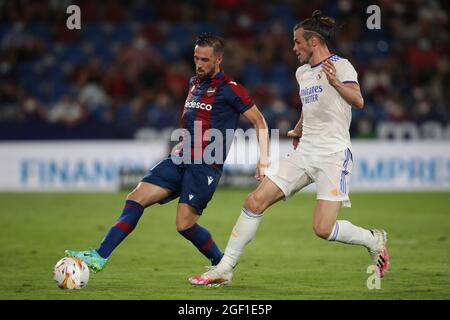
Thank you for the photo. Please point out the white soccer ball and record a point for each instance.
(71, 273)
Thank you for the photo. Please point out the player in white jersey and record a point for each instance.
(322, 154)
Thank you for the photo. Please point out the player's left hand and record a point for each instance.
(260, 171)
(330, 71)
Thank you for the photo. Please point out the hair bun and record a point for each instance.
(322, 19)
(317, 14)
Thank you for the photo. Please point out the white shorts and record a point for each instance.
(331, 173)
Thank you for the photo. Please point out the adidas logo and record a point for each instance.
(210, 180)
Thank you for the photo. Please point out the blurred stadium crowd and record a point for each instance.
(125, 73)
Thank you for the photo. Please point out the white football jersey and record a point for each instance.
(326, 115)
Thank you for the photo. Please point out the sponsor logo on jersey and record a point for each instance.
(210, 180)
(198, 105)
(191, 196)
(310, 94)
(311, 90)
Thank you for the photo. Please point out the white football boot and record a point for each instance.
(379, 252)
(212, 277)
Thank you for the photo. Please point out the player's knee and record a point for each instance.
(183, 225)
(137, 196)
(322, 231)
(255, 203)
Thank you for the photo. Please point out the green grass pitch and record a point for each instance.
(285, 261)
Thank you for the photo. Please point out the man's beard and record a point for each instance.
(206, 75)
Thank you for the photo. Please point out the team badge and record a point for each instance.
(210, 91)
(319, 75)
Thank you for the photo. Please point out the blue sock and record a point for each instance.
(131, 214)
(201, 238)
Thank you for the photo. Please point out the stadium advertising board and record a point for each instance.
(96, 165)
(378, 165)
(420, 165)
(73, 166)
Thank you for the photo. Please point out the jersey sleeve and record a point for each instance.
(345, 72)
(237, 96)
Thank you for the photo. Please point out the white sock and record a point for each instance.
(243, 232)
(344, 231)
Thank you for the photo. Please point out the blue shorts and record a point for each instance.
(195, 184)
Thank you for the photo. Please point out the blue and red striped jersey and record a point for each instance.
(214, 103)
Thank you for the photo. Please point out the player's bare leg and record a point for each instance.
(186, 217)
(266, 194)
(324, 217)
(200, 237)
(327, 227)
(144, 195)
(148, 194)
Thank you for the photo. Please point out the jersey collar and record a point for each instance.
(317, 64)
(220, 74)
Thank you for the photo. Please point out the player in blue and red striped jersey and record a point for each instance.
(214, 101)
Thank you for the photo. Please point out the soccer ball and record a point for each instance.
(71, 273)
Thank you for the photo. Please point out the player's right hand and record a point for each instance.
(295, 138)
(260, 171)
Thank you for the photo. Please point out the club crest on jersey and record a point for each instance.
(319, 75)
(210, 91)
